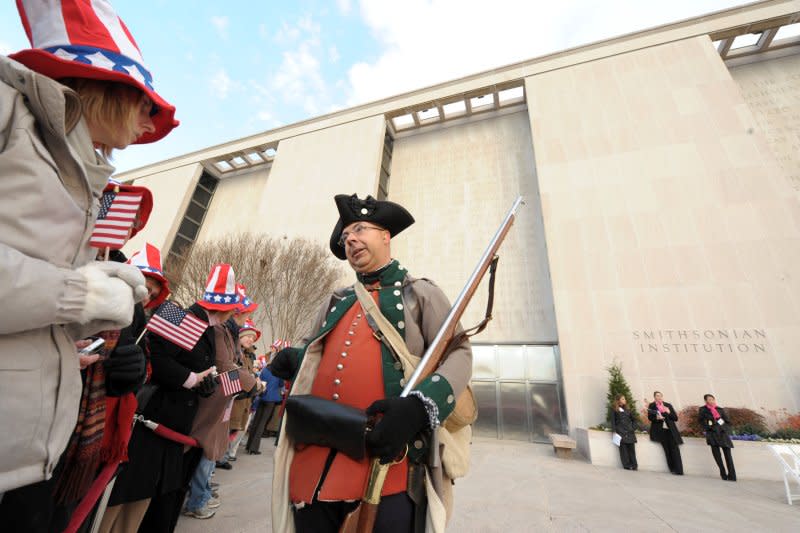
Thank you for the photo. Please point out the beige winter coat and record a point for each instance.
(50, 179)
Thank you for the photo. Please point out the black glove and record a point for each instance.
(207, 386)
(285, 363)
(125, 370)
(402, 419)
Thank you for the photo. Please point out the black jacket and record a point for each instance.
(155, 463)
(716, 434)
(656, 432)
(622, 422)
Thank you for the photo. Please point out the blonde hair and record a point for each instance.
(106, 102)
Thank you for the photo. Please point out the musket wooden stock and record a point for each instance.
(362, 518)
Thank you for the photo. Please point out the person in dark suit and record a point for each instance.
(663, 429)
(716, 425)
(623, 424)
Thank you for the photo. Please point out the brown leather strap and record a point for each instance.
(480, 326)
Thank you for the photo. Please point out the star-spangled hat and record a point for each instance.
(388, 215)
(145, 207)
(249, 328)
(220, 293)
(246, 305)
(86, 39)
(148, 260)
(280, 344)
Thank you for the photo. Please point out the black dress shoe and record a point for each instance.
(232, 459)
(723, 476)
(254, 452)
(224, 465)
(731, 478)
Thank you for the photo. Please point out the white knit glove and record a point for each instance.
(127, 273)
(112, 289)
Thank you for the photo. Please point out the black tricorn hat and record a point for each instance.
(389, 215)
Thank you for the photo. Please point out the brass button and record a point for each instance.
(344, 354)
(339, 366)
(396, 292)
(358, 315)
(335, 396)
(401, 325)
(351, 332)
(337, 381)
(397, 284)
(450, 398)
(347, 343)
(403, 382)
(399, 306)
(398, 366)
(436, 378)
(333, 309)
(418, 444)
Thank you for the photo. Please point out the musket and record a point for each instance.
(362, 518)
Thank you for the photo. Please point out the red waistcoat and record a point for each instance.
(350, 372)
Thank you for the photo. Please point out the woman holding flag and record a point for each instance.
(66, 103)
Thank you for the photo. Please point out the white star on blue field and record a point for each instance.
(239, 67)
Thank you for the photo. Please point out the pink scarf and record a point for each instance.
(714, 412)
(661, 408)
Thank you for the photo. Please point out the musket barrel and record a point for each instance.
(457, 310)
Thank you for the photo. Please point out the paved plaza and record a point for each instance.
(518, 486)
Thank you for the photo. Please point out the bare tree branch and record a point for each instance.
(288, 278)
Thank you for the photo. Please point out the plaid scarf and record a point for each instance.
(84, 451)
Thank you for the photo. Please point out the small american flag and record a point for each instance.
(115, 220)
(176, 325)
(230, 382)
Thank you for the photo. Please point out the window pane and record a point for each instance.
(188, 229)
(195, 212)
(208, 182)
(546, 410)
(541, 363)
(511, 362)
(514, 412)
(180, 245)
(486, 425)
(201, 196)
(483, 362)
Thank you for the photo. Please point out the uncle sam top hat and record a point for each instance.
(220, 293)
(86, 39)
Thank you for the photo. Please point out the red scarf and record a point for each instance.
(714, 412)
(661, 408)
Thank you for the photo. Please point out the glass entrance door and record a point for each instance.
(519, 392)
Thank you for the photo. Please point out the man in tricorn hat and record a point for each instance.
(314, 486)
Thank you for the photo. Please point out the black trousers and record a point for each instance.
(165, 509)
(264, 413)
(731, 473)
(671, 451)
(627, 454)
(395, 515)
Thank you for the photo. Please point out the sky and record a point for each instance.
(237, 68)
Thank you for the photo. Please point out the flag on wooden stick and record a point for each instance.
(176, 325)
(230, 382)
(116, 218)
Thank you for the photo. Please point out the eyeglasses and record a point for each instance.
(356, 230)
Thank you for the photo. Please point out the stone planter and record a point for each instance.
(753, 460)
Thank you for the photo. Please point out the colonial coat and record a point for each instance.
(716, 434)
(417, 308)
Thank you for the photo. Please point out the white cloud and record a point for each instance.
(430, 41)
(344, 6)
(264, 115)
(222, 84)
(333, 54)
(221, 25)
(298, 79)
